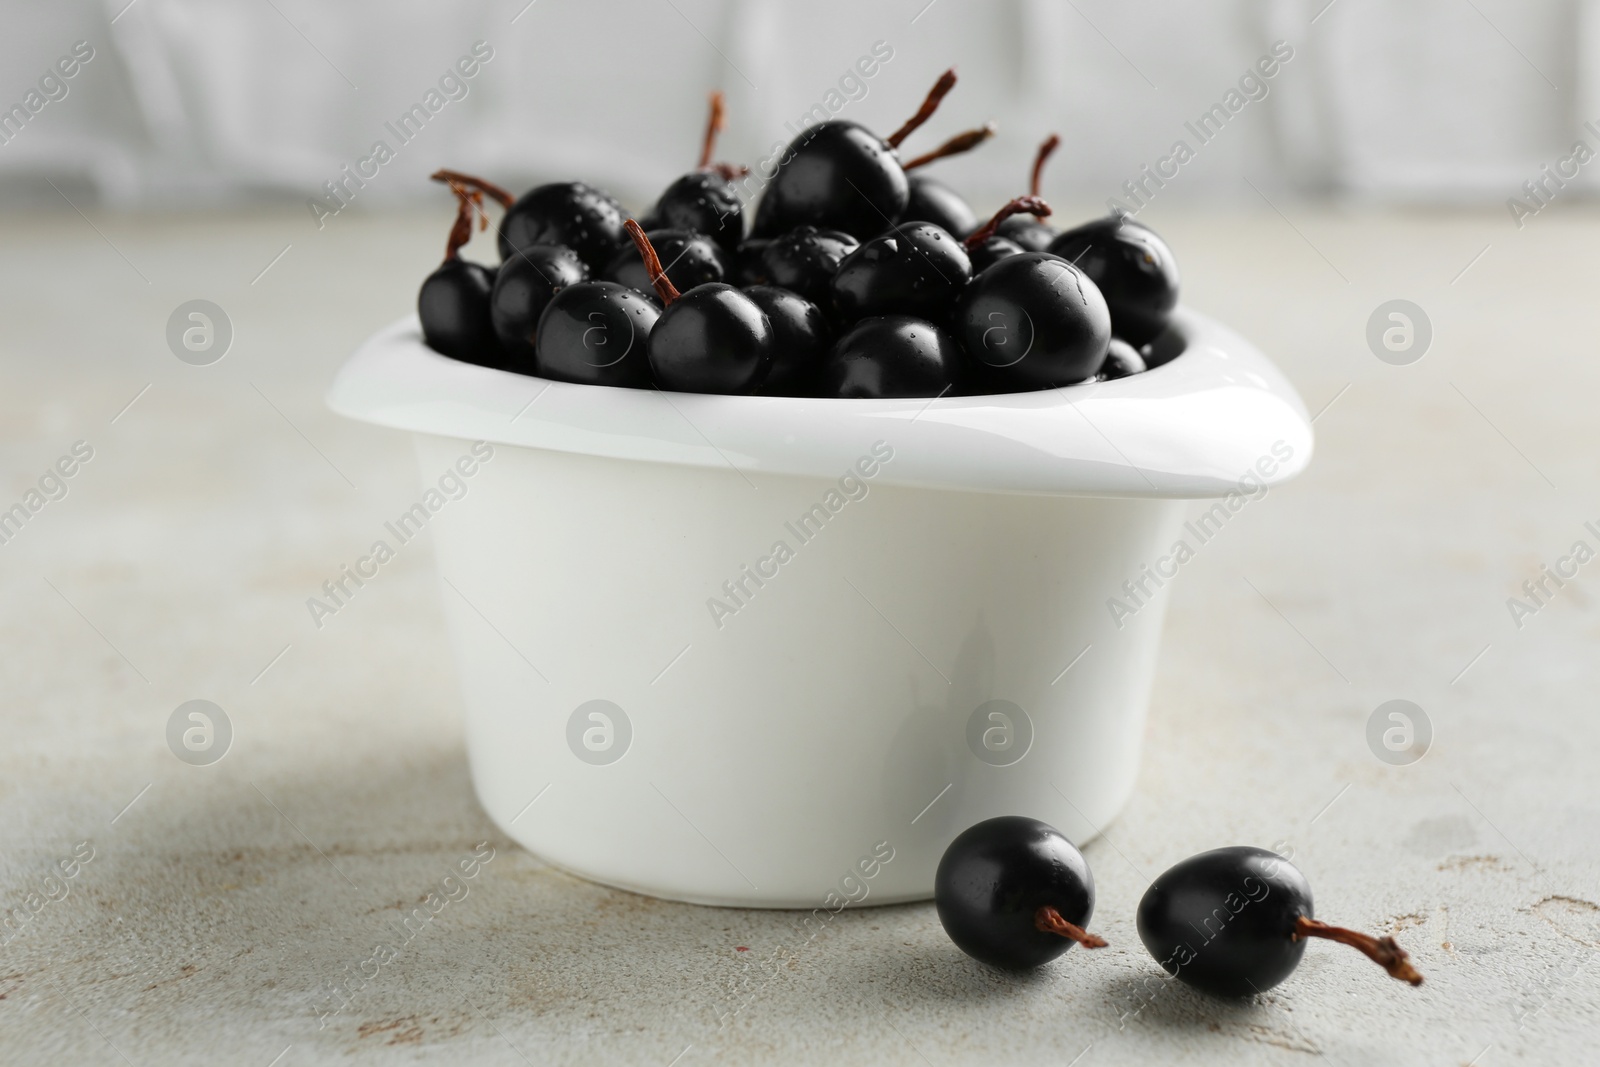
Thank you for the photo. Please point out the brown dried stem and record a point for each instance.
(493, 191)
(961, 142)
(1045, 149)
(1384, 951)
(652, 264)
(930, 104)
(461, 230)
(1031, 205)
(714, 126)
(1049, 920)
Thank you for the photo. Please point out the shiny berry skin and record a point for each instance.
(1122, 359)
(1033, 321)
(1031, 234)
(892, 356)
(836, 175)
(915, 269)
(1134, 269)
(994, 878)
(799, 341)
(1164, 349)
(453, 305)
(1224, 921)
(691, 259)
(746, 263)
(522, 287)
(711, 339)
(934, 201)
(574, 214)
(703, 201)
(991, 251)
(597, 333)
(805, 259)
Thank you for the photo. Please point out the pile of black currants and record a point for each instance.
(1014, 893)
(859, 277)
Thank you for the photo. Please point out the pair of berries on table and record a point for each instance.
(860, 278)
(1014, 893)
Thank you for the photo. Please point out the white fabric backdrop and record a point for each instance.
(221, 100)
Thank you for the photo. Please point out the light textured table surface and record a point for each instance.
(222, 902)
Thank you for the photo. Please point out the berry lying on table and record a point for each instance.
(1014, 893)
(1234, 921)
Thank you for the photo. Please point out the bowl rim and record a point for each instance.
(1218, 419)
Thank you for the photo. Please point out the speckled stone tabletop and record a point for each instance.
(159, 912)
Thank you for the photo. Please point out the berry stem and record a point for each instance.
(961, 142)
(1045, 149)
(461, 229)
(714, 126)
(1384, 951)
(494, 192)
(716, 122)
(1030, 205)
(1049, 920)
(652, 264)
(930, 104)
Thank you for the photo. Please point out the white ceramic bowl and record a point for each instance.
(661, 698)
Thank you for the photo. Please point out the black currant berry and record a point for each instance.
(1122, 359)
(1164, 349)
(799, 341)
(840, 175)
(574, 214)
(917, 268)
(692, 259)
(935, 202)
(991, 250)
(597, 333)
(892, 356)
(453, 303)
(984, 245)
(711, 339)
(985, 241)
(1133, 267)
(522, 287)
(1028, 234)
(747, 264)
(1234, 921)
(1033, 321)
(1014, 893)
(932, 200)
(704, 200)
(805, 260)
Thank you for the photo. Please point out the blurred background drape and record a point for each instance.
(225, 101)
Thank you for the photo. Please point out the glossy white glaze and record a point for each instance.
(776, 746)
(1187, 429)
